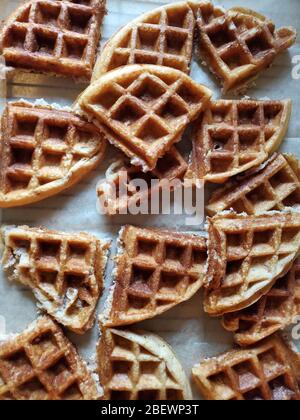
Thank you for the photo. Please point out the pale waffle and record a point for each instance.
(59, 37)
(275, 186)
(267, 371)
(44, 150)
(239, 43)
(146, 108)
(42, 364)
(275, 311)
(233, 136)
(161, 37)
(155, 270)
(117, 194)
(64, 271)
(246, 255)
(137, 365)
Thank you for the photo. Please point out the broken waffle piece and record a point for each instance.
(64, 271)
(275, 311)
(238, 44)
(44, 150)
(274, 186)
(117, 193)
(246, 255)
(155, 270)
(56, 37)
(137, 365)
(42, 364)
(267, 371)
(146, 108)
(233, 136)
(163, 37)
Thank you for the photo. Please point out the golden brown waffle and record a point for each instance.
(44, 151)
(155, 270)
(275, 186)
(42, 364)
(137, 365)
(246, 255)
(276, 310)
(265, 372)
(58, 36)
(239, 43)
(65, 271)
(234, 136)
(162, 37)
(116, 194)
(147, 108)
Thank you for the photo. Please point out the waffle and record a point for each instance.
(139, 366)
(65, 271)
(118, 195)
(57, 37)
(155, 270)
(276, 186)
(234, 136)
(246, 255)
(275, 311)
(146, 108)
(267, 371)
(162, 37)
(42, 364)
(44, 151)
(239, 43)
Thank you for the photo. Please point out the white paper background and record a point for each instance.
(191, 333)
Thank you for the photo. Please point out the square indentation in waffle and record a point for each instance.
(274, 187)
(255, 252)
(264, 372)
(237, 45)
(40, 364)
(132, 367)
(42, 145)
(155, 271)
(146, 108)
(64, 271)
(44, 34)
(236, 136)
(163, 37)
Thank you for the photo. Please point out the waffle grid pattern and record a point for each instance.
(254, 252)
(42, 145)
(148, 109)
(57, 36)
(261, 373)
(41, 364)
(164, 37)
(155, 271)
(234, 136)
(238, 44)
(65, 272)
(133, 372)
(274, 311)
(275, 187)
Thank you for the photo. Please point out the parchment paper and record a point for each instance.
(191, 333)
